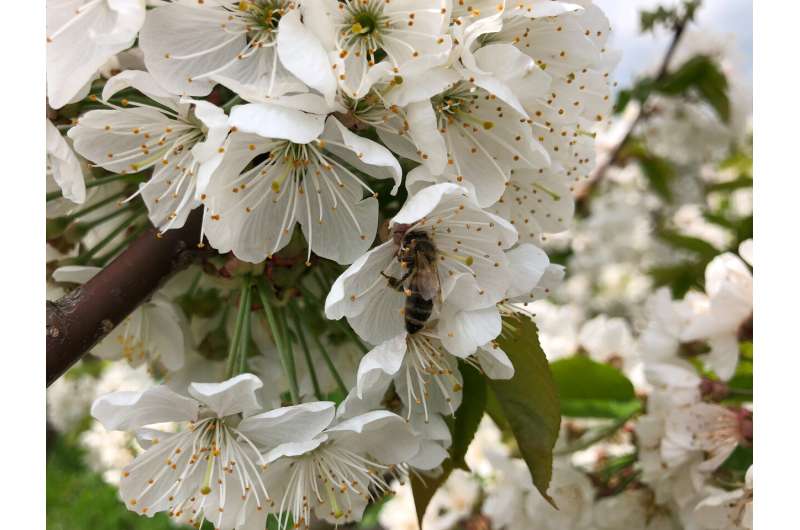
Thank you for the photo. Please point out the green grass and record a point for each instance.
(79, 499)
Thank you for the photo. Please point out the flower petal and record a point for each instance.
(131, 410)
(288, 424)
(527, 264)
(304, 55)
(494, 362)
(235, 395)
(276, 121)
(65, 166)
(462, 332)
(368, 433)
(383, 360)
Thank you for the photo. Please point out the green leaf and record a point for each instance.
(495, 412)
(661, 16)
(731, 185)
(371, 514)
(741, 162)
(693, 244)
(659, 173)
(740, 460)
(702, 75)
(579, 377)
(714, 89)
(598, 408)
(529, 400)
(469, 414)
(679, 278)
(589, 389)
(463, 429)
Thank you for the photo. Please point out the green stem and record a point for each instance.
(321, 281)
(93, 207)
(288, 356)
(329, 363)
(244, 340)
(352, 334)
(105, 258)
(586, 442)
(279, 337)
(242, 313)
(310, 297)
(231, 102)
(53, 195)
(85, 257)
(100, 220)
(306, 352)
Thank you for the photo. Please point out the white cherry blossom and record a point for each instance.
(713, 429)
(717, 316)
(173, 137)
(81, 36)
(191, 46)
(727, 509)
(281, 167)
(321, 465)
(538, 202)
(471, 264)
(64, 167)
(209, 470)
(426, 377)
(372, 40)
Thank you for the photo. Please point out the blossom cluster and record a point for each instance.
(425, 148)
(665, 469)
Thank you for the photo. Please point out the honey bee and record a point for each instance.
(420, 280)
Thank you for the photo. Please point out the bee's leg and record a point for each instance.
(405, 276)
(394, 283)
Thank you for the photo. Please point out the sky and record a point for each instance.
(730, 18)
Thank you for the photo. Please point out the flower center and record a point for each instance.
(265, 14)
(179, 474)
(427, 368)
(361, 29)
(457, 104)
(332, 475)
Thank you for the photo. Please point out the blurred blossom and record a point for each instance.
(558, 327)
(68, 401)
(690, 221)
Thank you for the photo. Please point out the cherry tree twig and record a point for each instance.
(81, 318)
(663, 71)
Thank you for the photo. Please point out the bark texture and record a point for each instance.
(78, 320)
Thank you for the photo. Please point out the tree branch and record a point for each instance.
(78, 320)
(662, 73)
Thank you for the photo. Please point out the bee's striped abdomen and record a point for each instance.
(417, 312)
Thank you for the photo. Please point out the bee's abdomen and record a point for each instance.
(418, 311)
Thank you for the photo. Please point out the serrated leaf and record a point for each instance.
(529, 400)
(462, 428)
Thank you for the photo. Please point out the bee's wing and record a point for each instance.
(425, 279)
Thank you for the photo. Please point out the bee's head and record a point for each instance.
(399, 232)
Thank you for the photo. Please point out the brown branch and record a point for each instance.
(662, 73)
(78, 320)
